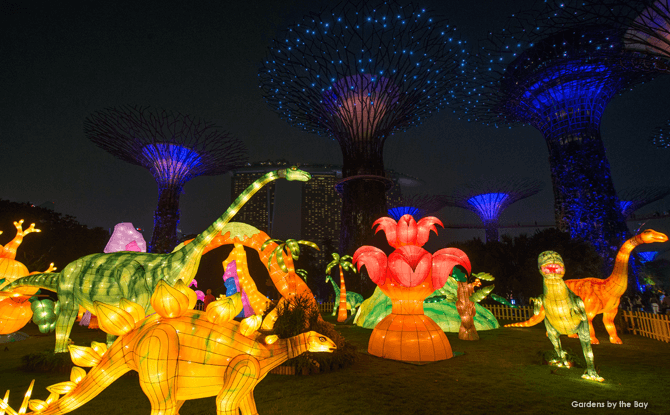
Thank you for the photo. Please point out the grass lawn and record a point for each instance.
(500, 373)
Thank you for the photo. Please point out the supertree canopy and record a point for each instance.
(173, 146)
(416, 205)
(634, 199)
(488, 198)
(357, 73)
(644, 24)
(559, 79)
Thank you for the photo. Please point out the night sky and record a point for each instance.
(59, 63)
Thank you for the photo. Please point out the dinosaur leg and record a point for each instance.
(608, 320)
(241, 376)
(248, 404)
(65, 321)
(156, 361)
(585, 340)
(554, 337)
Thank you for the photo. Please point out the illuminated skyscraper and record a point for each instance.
(321, 204)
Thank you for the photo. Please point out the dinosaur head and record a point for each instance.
(294, 173)
(551, 265)
(319, 343)
(650, 236)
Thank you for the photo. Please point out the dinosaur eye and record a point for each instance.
(322, 339)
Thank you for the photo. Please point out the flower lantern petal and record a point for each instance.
(444, 261)
(410, 265)
(424, 226)
(374, 260)
(389, 227)
(406, 230)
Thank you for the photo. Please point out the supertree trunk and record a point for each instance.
(363, 202)
(166, 219)
(363, 191)
(586, 203)
(491, 228)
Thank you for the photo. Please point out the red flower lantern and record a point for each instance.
(408, 276)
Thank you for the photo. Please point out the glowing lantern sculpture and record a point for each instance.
(179, 353)
(407, 277)
(15, 310)
(125, 238)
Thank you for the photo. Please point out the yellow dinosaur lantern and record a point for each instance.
(179, 353)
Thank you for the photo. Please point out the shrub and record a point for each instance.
(298, 316)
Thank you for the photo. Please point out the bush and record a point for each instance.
(47, 362)
(298, 316)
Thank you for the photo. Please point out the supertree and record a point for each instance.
(357, 73)
(488, 198)
(559, 79)
(661, 137)
(644, 24)
(633, 199)
(417, 205)
(173, 146)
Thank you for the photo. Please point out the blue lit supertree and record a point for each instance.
(488, 198)
(417, 205)
(358, 73)
(559, 78)
(634, 199)
(174, 147)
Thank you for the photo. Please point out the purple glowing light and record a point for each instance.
(489, 205)
(171, 162)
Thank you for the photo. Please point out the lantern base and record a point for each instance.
(409, 338)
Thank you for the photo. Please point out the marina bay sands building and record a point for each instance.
(321, 203)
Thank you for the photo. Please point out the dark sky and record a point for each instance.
(59, 63)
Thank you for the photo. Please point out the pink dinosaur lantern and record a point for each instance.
(123, 237)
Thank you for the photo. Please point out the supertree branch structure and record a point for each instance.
(559, 78)
(417, 205)
(644, 24)
(488, 199)
(173, 146)
(633, 199)
(661, 137)
(357, 73)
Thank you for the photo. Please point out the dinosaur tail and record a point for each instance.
(48, 281)
(537, 318)
(85, 386)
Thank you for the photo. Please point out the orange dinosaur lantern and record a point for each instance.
(603, 295)
(10, 268)
(15, 311)
(408, 276)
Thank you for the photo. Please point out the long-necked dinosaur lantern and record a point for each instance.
(408, 276)
(133, 275)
